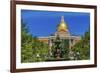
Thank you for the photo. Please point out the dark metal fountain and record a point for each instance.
(57, 49)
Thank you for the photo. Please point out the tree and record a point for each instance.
(32, 50)
(26, 44)
(40, 50)
(82, 48)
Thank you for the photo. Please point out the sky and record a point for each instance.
(44, 23)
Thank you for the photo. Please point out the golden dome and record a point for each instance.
(62, 26)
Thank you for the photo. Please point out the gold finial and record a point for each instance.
(62, 26)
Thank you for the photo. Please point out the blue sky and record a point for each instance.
(44, 23)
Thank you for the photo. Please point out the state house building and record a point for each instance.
(63, 32)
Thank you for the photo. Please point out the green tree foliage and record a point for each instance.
(32, 50)
(26, 48)
(40, 50)
(82, 48)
